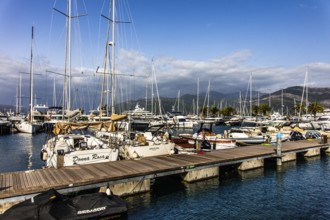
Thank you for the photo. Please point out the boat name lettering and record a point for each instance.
(76, 158)
(153, 148)
(95, 157)
(87, 211)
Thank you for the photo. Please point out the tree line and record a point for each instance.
(263, 110)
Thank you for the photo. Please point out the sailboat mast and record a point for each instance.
(208, 99)
(258, 99)
(16, 110)
(240, 103)
(31, 77)
(54, 93)
(282, 103)
(306, 89)
(20, 93)
(65, 62)
(69, 53)
(105, 64)
(250, 94)
(146, 101)
(302, 96)
(197, 110)
(152, 87)
(113, 75)
(159, 101)
(178, 108)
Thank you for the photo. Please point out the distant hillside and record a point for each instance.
(290, 95)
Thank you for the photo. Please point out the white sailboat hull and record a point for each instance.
(82, 157)
(28, 127)
(149, 150)
(73, 150)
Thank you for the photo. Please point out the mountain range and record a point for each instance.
(291, 96)
(187, 103)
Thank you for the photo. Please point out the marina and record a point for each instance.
(101, 135)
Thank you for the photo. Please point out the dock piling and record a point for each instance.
(279, 149)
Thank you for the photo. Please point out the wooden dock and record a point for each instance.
(22, 185)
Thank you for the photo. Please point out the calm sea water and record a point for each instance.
(299, 190)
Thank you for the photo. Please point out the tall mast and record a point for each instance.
(113, 73)
(302, 96)
(282, 102)
(152, 87)
(250, 94)
(69, 53)
(54, 94)
(146, 101)
(197, 109)
(31, 77)
(208, 99)
(240, 103)
(159, 101)
(16, 110)
(105, 63)
(258, 98)
(178, 109)
(64, 103)
(306, 84)
(20, 93)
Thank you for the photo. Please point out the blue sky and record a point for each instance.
(218, 40)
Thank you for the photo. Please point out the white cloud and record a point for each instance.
(226, 74)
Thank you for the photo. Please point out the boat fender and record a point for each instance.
(108, 192)
(43, 155)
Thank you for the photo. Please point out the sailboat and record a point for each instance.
(134, 144)
(30, 125)
(71, 146)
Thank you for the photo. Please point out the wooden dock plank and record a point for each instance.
(155, 166)
(9, 182)
(121, 169)
(116, 169)
(60, 178)
(168, 162)
(48, 174)
(3, 182)
(23, 180)
(29, 177)
(84, 175)
(42, 181)
(131, 169)
(2, 185)
(91, 171)
(15, 182)
(66, 177)
(107, 172)
(45, 176)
